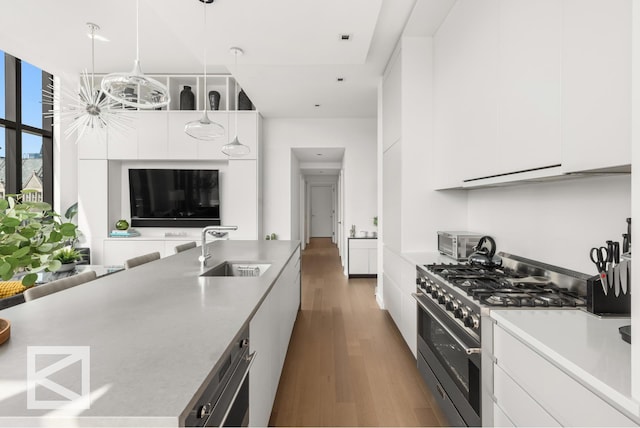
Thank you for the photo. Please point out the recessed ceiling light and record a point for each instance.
(321, 172)
(317, 105)
(318, 154)
(345, 37)
(340, 79)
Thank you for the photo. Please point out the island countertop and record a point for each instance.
(155, 334)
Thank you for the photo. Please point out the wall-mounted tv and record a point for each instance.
(174, 197)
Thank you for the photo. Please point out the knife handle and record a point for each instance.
(625, 243)
(616, 252)
(629, 230)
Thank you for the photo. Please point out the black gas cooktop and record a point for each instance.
(505, 287)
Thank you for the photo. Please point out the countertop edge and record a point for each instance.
(629, 407)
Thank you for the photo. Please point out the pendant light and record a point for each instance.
(204, 128)
(134, 89)
(87, 108)
(235, 148)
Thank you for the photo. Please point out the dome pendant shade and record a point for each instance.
(134, 89)
(235, 148)
(204, 128)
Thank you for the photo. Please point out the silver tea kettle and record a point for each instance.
(483, 256)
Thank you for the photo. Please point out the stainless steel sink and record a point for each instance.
(240, 269)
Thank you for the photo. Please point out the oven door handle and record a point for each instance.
(466, 349)
(250, 359)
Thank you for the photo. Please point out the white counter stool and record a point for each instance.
(184, 247)
(58, 285)
(140, 260)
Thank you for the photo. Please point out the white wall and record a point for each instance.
(357, 136)
(554, 222)
(295, 198)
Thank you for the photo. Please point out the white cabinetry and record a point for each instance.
(596, 84)
(117, 250)
(530, 390)
(526, 89)
(269, 332)
(153, 141)
(529, 87)
(363, 257)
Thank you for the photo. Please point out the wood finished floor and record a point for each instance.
(347, 364)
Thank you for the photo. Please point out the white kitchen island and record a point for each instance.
(557, 368)
(156, 334)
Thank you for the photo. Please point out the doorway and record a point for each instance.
(322, 210)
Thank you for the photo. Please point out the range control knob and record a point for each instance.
(472, 321)
(428, 286)
(434, 292)
(452, 304)
(418, 280)
(461, 312)
(442, 299)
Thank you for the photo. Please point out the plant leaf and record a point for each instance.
(54, 265)
(3, 204)
(5, 268)
(10, 222)
(68, 229)
(21, 252)
(29, 279)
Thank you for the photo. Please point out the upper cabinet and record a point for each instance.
(596, 84)
(529, 89)
(159, 134)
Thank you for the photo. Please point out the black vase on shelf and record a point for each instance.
(131, 96)
(214, 100)
(187, 99)
(244, 103)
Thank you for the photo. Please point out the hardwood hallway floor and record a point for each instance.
(347, 364)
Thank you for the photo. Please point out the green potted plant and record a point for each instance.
(68, 256)
(31, 234)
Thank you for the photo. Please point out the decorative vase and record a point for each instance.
(131, 96)
(187, 99)
(214, 100)
(66, 267)
(244, 103)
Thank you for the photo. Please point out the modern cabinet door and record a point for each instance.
(363, 257)
(92, 144)
(152, 135)
(529, 87)
(270, 331)
(181, 145)
(123, 144)
(596, 85)
(465, 91)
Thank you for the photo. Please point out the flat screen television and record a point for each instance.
(174, 197)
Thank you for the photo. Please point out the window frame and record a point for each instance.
(12, 122)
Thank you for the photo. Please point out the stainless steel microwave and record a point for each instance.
(457, 244)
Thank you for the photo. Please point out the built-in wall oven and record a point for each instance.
(225, 400)
(449, 362)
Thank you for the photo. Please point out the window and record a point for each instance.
(26, 140)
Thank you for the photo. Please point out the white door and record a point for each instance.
(321, 212)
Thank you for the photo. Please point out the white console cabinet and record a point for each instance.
(363, 256)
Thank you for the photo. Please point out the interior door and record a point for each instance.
(321, 212)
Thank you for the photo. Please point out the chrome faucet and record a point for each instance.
(205, 231)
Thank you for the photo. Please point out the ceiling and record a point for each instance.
(293, 51)
(326, 161)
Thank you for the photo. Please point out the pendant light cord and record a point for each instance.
(236, 90)
(137, 30)
(204, 38)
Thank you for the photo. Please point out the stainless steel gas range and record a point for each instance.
(454, 300)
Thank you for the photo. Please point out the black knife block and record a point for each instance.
(606, 305)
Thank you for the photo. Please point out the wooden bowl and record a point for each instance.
(5, 330)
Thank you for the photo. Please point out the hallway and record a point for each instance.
(347, 364)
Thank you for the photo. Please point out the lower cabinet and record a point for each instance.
(363, 256)
(269, 333)
(528, 390)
